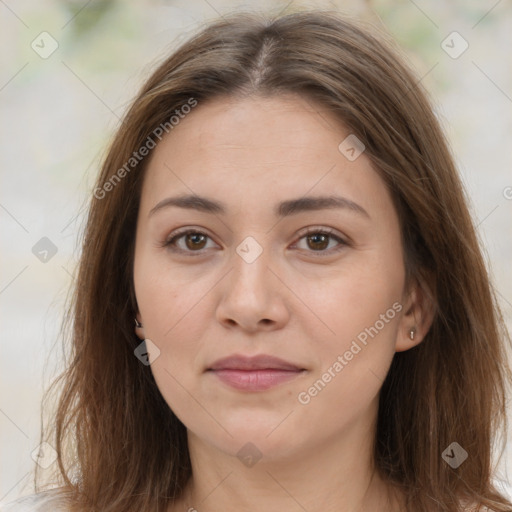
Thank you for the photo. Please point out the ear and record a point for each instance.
(139, 331)
(419, 312)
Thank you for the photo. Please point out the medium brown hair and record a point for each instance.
(120, 447)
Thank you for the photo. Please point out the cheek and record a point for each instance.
(354, 296)
(361, 307)
(173, 315)
(354, 361)
(166, 296)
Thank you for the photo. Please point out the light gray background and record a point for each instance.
(59, 112)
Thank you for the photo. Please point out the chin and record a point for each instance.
(265, 440)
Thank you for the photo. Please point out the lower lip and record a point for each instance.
(255, 380)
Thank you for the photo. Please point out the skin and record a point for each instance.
(294, 302)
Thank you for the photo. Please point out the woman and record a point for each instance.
(281, 302)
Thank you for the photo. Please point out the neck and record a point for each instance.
(336, 475)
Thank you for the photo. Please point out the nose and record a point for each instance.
(253, 297)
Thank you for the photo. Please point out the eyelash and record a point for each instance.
(170, 243)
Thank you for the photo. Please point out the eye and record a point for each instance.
(194, 241)
(318, 239)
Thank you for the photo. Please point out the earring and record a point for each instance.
(412, 333)
(137, 323)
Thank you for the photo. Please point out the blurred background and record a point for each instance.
(68, 70)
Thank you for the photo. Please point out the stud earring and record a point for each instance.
(137, 323)
(412, 333)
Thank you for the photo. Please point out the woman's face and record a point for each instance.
(272, 270)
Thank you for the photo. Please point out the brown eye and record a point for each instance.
(195, 240)
(318, 241)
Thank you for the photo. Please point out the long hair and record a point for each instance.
(120, 447)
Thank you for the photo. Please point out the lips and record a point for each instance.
(257, 373)
(260, 362)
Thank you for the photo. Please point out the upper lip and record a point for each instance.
(259, 362)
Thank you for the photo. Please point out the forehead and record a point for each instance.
(253, 149)
(256, 123)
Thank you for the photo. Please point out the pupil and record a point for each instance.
(194, 237)
(324, 237)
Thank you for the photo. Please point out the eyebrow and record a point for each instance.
(282, 209)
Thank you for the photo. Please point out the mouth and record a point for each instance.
(257, 373)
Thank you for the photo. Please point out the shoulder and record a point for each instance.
(46, 501)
